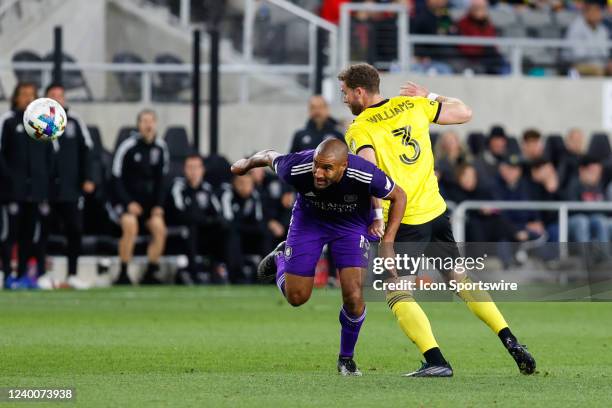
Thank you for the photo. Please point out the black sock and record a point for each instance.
(506, 336)
(434, 356)
(152, 267)
(123, 268)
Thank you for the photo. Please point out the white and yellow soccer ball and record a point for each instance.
(44, 119)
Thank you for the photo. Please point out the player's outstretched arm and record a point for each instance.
(397, 196)
(453, 112)
(265, 158)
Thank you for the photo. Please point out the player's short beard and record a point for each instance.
(355, 108)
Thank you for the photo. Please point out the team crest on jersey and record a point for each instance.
(137, 157)
(306, 139)
(19, 128)
(154, 156)
(350, 198)
(288, 252)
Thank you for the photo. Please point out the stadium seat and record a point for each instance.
(599, 147)
(72, 79)
(123, 134)
(178, 142)
(535, 18)
(130, 83)
(28, 75)
(502, 18)
(513, 146)
(217, 170)
(168, 85)
(554, 148)
(476, 142)
(563, 18)
(178, 147)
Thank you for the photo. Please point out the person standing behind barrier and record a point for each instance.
(138, 172)
(24, 188)
(319, 127)
(72, 179)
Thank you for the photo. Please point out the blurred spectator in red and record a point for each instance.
(330, 10)
(591, 55)
(476, 23)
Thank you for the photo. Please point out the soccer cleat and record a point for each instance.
(266, 271)
(430, 370)
(347, 367)
(524, 360)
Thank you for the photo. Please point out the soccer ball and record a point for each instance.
(44, 119)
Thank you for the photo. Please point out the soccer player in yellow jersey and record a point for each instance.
(394, 134)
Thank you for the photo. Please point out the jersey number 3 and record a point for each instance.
(407, 140)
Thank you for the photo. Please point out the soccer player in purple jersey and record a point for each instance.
(333, 207)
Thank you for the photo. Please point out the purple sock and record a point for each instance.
(349, 332)
(280, 272)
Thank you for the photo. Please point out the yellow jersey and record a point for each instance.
(398, 131)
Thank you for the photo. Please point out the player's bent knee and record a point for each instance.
(297, 298)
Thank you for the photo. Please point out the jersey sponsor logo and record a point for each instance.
(407, 140)
(310, 194)
(350, 198)
(391, 112)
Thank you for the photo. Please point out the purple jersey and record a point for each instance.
(346, 203)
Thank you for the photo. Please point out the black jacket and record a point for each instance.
(246, 215)
(139, 170)
(309, 137)
(193, 206)
(25, 164)
(73, 160)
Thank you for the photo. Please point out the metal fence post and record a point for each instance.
(563, 231)
(146, 87)
(247, 47)
(185, 12)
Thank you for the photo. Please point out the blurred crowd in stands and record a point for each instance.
(374, 34)
(153, 195)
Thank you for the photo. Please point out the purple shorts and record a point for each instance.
(307, 235)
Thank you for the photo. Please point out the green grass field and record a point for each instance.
(243, 346)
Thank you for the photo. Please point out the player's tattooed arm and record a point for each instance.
(265, 158)
(397, 196)
(453, 111)
(377, 228)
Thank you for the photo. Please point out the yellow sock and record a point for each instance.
(481, 304)
(412, 320)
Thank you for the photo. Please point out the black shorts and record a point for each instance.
(432, 239)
